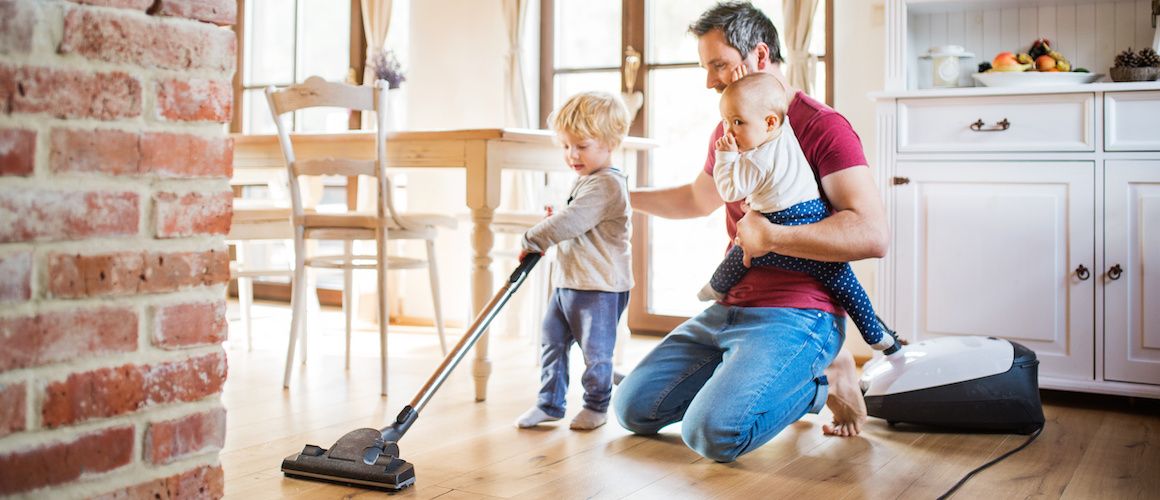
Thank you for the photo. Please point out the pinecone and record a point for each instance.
(1127, 59)
(1148, 58)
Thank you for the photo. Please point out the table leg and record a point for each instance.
(481, 291)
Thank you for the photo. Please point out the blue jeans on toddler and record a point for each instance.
(837, 277)
(735, 377)
(590, 318)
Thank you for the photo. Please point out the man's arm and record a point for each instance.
(696, 199)
(856, 230)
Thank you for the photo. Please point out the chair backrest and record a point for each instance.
(315, 93)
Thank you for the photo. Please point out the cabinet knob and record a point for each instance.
(1000, 126)
(1115, 272)
(1082, 273)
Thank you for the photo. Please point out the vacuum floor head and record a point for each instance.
(360, 458)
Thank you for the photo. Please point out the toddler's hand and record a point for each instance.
(727, 143)
(548, 210)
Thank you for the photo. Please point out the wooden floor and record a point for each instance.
(1092, 447)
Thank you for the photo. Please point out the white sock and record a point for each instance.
(587, 420)
(708, 294)
(533, 417)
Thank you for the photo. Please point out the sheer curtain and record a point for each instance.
(514, 14)
(376, 17)
(799, 22)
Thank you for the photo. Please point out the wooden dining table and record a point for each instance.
(481, 153)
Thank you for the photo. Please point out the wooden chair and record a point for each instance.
(349, 226)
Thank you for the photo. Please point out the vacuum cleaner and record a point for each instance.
(969, 383)
(369, 458)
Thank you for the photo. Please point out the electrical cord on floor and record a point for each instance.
(988, 464)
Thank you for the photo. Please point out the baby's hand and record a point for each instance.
(739, 72)
(726, 143)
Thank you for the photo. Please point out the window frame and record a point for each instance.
(633, 26)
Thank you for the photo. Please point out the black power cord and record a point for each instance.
(988, 464)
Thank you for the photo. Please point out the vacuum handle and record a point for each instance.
(525, 266)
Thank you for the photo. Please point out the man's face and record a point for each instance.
(720, 60)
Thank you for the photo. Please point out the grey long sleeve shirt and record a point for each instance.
(592, 232)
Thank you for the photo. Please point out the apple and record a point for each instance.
(1045, 63)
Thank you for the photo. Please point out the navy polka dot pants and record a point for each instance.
(837, 277)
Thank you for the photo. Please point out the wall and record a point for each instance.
(113, 202)
(859, 68)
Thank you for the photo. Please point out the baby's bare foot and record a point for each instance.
(845, 399)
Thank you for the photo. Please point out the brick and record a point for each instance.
(145, 42)
(109, 392)
(192, 214)
(61, 462)
(44, 215)
(186, 156)
(17, 24)
(195, 99)
(140, 5)
(17, 150)
(15, 276)
(55, 337)
(111, 152)
(220, 12)
(12, 403)
(196, 484)
(69, 94)
(130, 273)
(187, 325)
(172, 440)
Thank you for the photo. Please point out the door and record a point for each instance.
(1001, 249)
(1131, 271)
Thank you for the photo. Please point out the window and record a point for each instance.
(587, 53)
(282, 42)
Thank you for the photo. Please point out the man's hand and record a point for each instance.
(754, 235)
(727, 143)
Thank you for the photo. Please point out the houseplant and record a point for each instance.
(386, 67)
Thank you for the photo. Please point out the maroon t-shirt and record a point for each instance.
(830, 144)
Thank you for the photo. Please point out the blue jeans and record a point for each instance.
(735, 376)
(590, 318)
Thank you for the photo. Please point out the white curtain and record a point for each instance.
(376, 17)
(799, 23)
(514, 13)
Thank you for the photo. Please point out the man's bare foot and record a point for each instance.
(845, 399)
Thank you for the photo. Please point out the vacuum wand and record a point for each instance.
(410, 413)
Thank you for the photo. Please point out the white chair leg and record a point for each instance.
(348, 293)
(384, 305)
(436, 298)
(298, 288)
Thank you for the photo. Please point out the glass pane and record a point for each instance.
(587, 33)
(570, 83)
(256, 117)
(322, 120)
(269, 42)
(819, 92)
(324, 43)
(684, 131)
(818, 33)
(669, 40)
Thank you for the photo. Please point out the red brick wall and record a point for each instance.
(114, 199)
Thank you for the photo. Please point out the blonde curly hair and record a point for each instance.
(596, 115)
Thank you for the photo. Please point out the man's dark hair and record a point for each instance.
(744, 26)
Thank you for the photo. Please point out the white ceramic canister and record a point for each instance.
(946, 64)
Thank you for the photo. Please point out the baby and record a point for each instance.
(594, 266)
(759, 160)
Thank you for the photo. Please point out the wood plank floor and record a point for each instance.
(1092, 447)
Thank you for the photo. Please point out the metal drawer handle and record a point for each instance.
(999, 126)
(1115, 272)
(1082, 273)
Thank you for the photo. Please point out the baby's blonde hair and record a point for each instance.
(594, 115)
(761, 90)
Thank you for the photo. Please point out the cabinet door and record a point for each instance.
(1132, 242)
(996, 249)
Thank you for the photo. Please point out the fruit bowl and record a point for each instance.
(1033, 78)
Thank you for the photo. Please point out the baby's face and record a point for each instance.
(749, 126)
(585, 155)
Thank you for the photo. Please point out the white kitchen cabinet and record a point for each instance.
(1003, 249)
(1026, 213)
(1131, 271)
